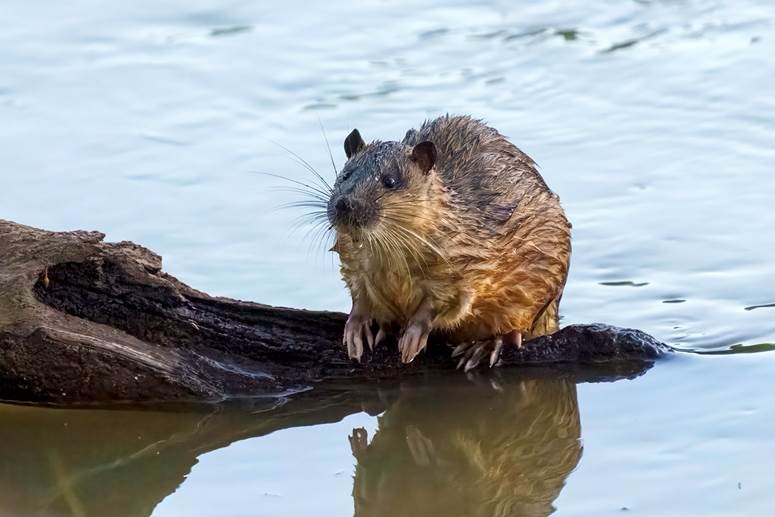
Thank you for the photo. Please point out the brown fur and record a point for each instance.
(480, 238)
(474, 452)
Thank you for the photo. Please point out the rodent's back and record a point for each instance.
(507, 234)
(487, 173)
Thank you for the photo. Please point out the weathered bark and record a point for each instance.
(82, 320)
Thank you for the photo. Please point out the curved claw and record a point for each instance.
(461, 348)
(413, 341)
(358, 345)
(496, 351)
(479, 353)
(473, 353)
(381, 336)
(354, 331)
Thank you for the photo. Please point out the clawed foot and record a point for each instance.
(356, 328)
(473, 352)
(413, 340)
(359, 441)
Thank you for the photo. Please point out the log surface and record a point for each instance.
(85, 321)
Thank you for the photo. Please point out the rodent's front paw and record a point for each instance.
(413, 341)
(359, 441)
(354, 330)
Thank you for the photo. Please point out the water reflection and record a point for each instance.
(488, 452)
(84, 463)
(500, 445)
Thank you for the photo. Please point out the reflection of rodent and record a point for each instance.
(454, 230)
(476, 452)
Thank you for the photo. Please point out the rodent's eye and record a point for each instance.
(346, 175)
(388, 181)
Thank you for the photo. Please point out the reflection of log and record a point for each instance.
(60, 462)
(82, 320)
(91, 462)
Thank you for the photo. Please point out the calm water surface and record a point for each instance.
(655, 123)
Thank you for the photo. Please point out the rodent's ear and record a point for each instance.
(353, 143)
(424, 155)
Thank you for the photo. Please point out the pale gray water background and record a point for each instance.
(653, 121)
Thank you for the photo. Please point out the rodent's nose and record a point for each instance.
(343, 206)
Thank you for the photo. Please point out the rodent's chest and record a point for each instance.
(393, 293)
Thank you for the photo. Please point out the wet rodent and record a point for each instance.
(451, 230)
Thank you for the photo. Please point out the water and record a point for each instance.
(652, 120)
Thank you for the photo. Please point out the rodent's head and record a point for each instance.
(378, 183)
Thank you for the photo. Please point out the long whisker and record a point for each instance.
(312, 188)
(406, 207)
(399, 246)
(413, 248)
(397, 216)
(311, 220)
(402, 244)
(406, 213)
(304, 204)
(330, 154)
(307, 165)
(401, 226)
(319, 243)
(393, 248)
(297, 190)
(316, 193)
(410, 203)
(317, 236)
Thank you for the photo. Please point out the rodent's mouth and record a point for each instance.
(355, 232)
(350, 216)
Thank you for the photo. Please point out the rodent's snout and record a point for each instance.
(344, 211)
(341, 210)
(343, 206)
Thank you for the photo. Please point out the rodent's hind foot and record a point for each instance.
(354, 331)
(413, 340)
(472, 353)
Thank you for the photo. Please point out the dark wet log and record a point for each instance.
(82, 320)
